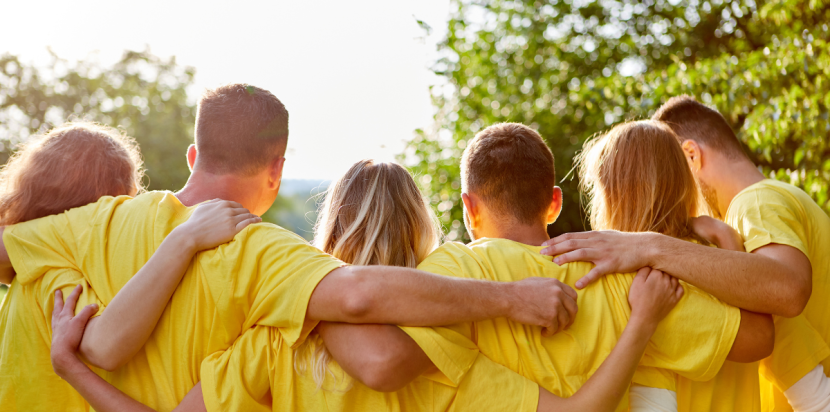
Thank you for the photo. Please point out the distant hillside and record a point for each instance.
(296, 206)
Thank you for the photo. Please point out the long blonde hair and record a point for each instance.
(372, 215)
(636, 179)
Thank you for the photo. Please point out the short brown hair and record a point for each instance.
(692, 120)
(511, 168)
(239, 129)
(71, 166)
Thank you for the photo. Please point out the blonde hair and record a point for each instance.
(636, 179)
(72, 165)
(372, 215)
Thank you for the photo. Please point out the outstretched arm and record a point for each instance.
(652, 296)
(410, 297)
(67, 330)
(775, 279)
(113, 338)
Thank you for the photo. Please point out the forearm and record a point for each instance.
(122, 329)
(402, 296)
(382, 357)
(607, 386)
(99, 393)
(749, 281)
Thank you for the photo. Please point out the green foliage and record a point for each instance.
(143, 94)
(571, 69)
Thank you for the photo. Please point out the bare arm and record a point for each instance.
(403, 296)
(6, 269)
(755, 338)
(382, 357)
(113, 338)
(775, 279)
(653, 295)
(67, 330)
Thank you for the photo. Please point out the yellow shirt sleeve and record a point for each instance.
(239, 377)
(275, 273)
(38, 245)
(489, 386)
(695, 338)
(763, 216)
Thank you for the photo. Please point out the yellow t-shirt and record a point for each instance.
(774, 212)
(265, 276)
(28, 381)
(258, 370)
(692, 341)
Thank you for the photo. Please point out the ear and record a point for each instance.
(191, 156)
(693, 155)
(471, 206)
(275, 172)
(555, 206)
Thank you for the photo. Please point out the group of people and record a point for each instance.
(703, 287)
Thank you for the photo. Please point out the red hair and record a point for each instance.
(72, 165)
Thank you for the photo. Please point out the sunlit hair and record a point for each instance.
(636, 179)
(72, 165)
(372, 215)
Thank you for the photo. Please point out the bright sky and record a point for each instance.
(353, 75)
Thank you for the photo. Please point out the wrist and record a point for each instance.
(65, 363)
(183, 240)
(642, 325)
(505, 298)
(651, 249)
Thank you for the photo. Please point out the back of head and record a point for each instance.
(239, 129)
(375, 215)
(692, 120)
(72, 165)
(637, 180)
(510, 168)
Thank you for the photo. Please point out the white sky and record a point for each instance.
(353, 75)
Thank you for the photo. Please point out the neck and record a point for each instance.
(533, 235)
(736, 176)
(203, 186)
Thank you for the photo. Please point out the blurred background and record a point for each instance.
(413, 81)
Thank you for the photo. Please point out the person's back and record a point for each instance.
(562, 363)
(509, 197)
(34, 185)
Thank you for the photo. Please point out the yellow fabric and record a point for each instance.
(258, 368)
(774, 212)
(692, 341)
(28, 381)
(265, 276)
(736, 388)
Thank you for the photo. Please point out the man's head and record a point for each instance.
(508, 178)
(708, 142)
(241, 137)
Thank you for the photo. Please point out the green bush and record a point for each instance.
(572, 69)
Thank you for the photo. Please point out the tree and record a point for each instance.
(142, 94)
(572, 69)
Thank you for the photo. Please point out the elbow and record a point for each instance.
(383, 374)
(101, 357)
(358, 299)
(795, 303)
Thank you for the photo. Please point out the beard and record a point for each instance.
(711, 198)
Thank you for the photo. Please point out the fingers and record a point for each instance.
(551, 330)
(679, 292)
(243, 224)
(569, 291)
(571, 308)
(72, 299)
(83, 316)
(566, 237)
(590, 277)
(58, 304)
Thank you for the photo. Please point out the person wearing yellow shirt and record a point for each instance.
(785, 273)
(36, 184)
(658, 193)
(379, 202)
(265, 276)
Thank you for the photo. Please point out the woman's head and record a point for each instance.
(636, 179)
(375, 215)
(72, 165)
